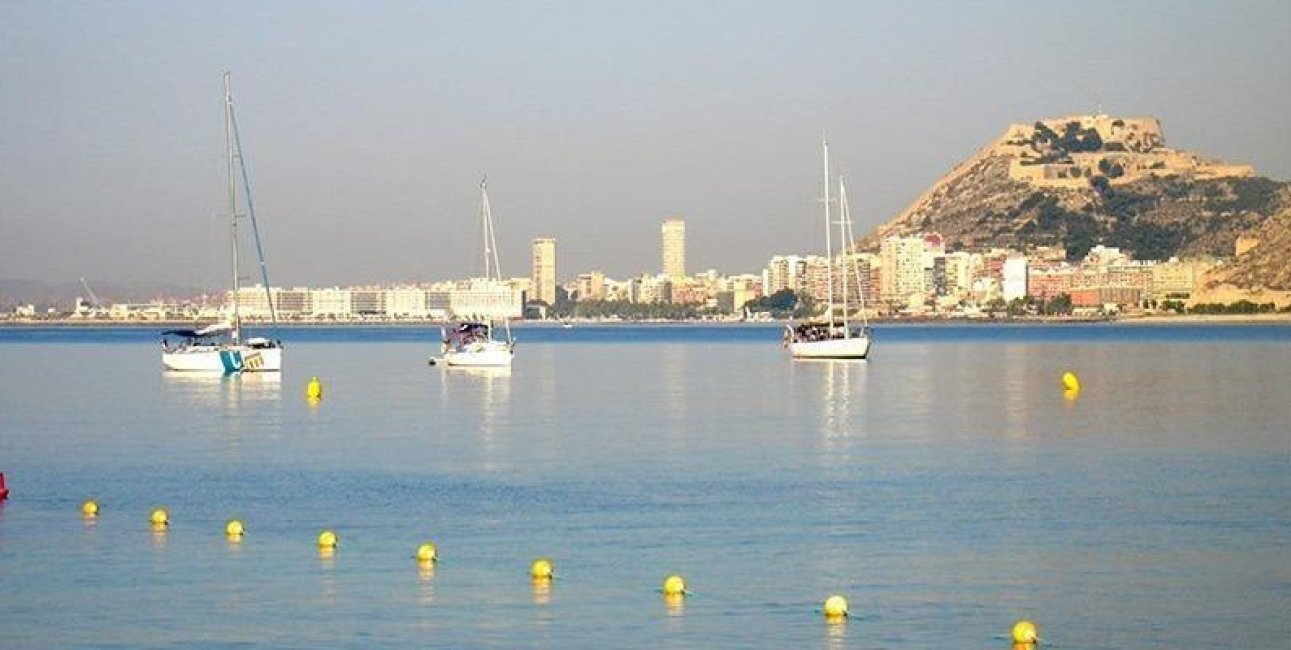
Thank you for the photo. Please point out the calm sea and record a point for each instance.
(947, 488)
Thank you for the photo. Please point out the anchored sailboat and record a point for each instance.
(474, 343)
(221, 347)
(835, 335)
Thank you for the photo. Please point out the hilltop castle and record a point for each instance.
(1069, 152)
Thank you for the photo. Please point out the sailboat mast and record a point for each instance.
(233, 203)
(829, 252)
(487, 234)
(844, 215)
(855, 271)
(851, 251)
(492, 267)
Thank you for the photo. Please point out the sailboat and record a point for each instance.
(834, 335)
(221, 347)
(475, 344)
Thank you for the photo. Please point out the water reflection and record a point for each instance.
(836, 633)
(672, 365)
(426, 583)
(541, 591)
(675, 606)
(248, 401)
(843, 381)
(1013, 378)
(836, 388)
(489, 391)
(217, 389)
(159, 538)
(327, 580)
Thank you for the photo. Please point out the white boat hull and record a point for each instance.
(223, 358)
(494, 354)
(857, 347)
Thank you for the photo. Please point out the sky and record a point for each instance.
(367, 126)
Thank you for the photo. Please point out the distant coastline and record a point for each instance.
(1174, 319)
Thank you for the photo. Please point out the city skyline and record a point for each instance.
(592, 122)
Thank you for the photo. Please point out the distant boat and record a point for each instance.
(474, 344)
(221, 347)
(834, 335)
(564, 324)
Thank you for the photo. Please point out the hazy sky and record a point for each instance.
(366, 125)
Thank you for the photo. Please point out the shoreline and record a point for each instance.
(1153, 319)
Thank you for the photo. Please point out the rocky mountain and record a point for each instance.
(1078, 181)
(1261, 273)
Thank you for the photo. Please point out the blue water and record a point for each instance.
(947, 488)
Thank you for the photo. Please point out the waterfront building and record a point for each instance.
(367, 302)
(939, 285)
(544, 270)
(1046, 281)
(1014, 272)
(618, 290)
(591, 286)
(674, 249)
(483, 298)
(649, 289)
(743, 288)
(852, 279)
(1177, 278)
(253, 303)
(405, 302)
(902, 260)
(1101, 255)
(783, 272)
(688, 292)
(332, 303)
(815, 278)
(439, 300)
(961, 268)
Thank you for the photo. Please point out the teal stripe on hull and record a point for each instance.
(232, 360)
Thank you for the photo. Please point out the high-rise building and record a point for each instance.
(544, 269)
(784, 272)
(674, 249)
(902, 259)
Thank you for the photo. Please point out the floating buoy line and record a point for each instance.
(1024, 633)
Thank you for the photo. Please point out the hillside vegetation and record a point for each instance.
(1066, 183)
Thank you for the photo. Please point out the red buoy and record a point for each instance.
(4, 491)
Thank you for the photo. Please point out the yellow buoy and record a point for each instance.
(674, 586)
(160, 517)
(90, 508)
(835, 607)
(1070, 381)
(314, 390)
(1025, 631)
(234, 528)
(542, 569)
(427, 553)
(327, 539)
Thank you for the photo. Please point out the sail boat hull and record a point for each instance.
(223, 358)
(492, 354)
(849, 348)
